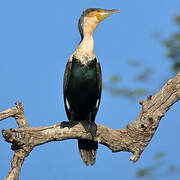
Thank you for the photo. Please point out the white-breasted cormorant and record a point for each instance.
(83, 82)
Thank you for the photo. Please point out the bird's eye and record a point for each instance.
(99, 10)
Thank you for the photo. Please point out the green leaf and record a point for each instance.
(114, 79)
(159, 156)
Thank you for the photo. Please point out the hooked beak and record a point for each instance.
(103, 13)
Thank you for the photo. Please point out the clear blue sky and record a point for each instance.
(36, 40)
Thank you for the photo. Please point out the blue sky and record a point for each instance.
(36, 40)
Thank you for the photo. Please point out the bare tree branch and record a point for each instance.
(19, 153)
(134, 138)
(17, 113)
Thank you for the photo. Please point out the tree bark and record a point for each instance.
(133, 138)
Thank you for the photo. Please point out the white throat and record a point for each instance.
(85, 48)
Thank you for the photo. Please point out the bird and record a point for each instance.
(82, 84)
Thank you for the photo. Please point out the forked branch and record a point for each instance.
(133, 138)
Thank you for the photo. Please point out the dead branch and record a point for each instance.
(133, 138)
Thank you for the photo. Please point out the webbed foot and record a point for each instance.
(64, 124)
(73, 123)
(68, 124)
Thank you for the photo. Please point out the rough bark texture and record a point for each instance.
(134, 138)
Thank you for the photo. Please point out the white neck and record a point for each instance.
(85, 48)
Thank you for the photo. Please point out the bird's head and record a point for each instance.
(91, 17)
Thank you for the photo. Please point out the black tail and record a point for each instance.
(87, 150)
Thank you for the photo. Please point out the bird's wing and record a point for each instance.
(65, 85)
(99, 79)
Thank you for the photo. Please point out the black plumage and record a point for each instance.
(82, 89)
(82, 93)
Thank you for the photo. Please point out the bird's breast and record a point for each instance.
(82, 89)
(83, 75)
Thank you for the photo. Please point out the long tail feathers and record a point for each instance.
(87, 150)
